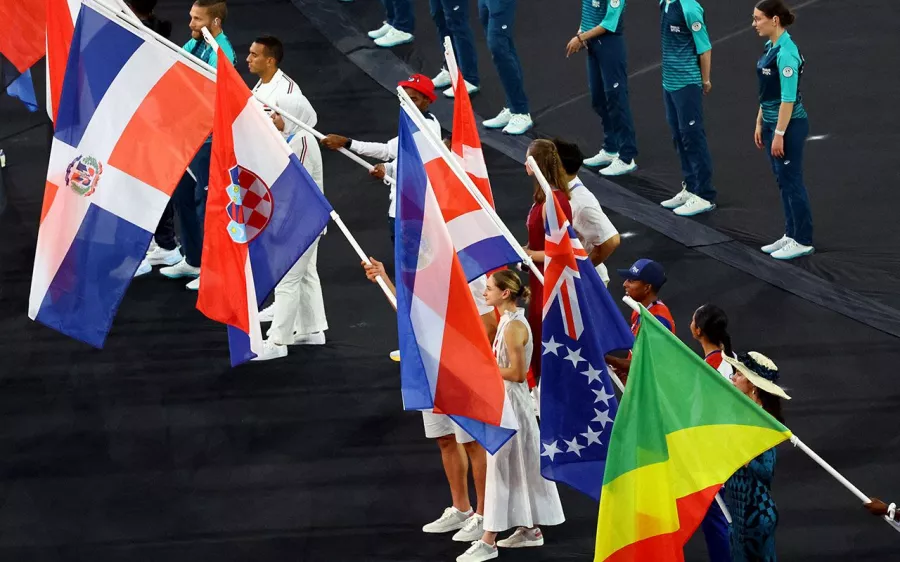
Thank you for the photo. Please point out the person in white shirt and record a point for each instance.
(596, 232)
(420, 89)
(298, 313)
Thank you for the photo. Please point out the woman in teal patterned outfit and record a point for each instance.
(748, 493)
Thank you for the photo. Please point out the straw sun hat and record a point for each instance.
(759, 370)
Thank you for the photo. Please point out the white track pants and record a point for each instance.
(299, 307)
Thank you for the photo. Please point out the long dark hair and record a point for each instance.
(771, 404)
(713, 323)
(547, 157)
(778, 8)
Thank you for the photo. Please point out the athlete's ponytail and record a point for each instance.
(713, 324)
(773, 8)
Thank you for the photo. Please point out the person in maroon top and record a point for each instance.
(547, 158)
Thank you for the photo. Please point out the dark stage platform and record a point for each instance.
(154, 449)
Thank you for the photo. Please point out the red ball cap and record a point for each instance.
(421, 84)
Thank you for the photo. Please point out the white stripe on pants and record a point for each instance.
(298, 301)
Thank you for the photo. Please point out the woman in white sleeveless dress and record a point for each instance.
(516, 495)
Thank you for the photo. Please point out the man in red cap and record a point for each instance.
(420, 89)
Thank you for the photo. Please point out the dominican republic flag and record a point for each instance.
(263, 211)
(479, 243)
(581, 325)
(448, 365)
(131, 117)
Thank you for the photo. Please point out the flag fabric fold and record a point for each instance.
(22, 88)
(581, 324)
(448, 365)
(22, 38)
(682, 430)
(61, 16)
(479, 242)
(131, 117)
(263, 211)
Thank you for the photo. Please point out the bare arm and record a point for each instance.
(602, 252)
(784, 115)
(515, 337)
(490, 325)
(706, 70)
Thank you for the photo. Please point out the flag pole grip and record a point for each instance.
(362, 255)
(461, 174)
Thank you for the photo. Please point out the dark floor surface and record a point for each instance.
(153, 449)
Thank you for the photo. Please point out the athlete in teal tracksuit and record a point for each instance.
(686, 62)
(782, 125)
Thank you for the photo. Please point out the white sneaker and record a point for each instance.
(395, 355)
(144, 268)
(791, 250)
(317, 338)
(776, 245)
(679, 199)
(500, 121)
(619, 168)
(523, 538)
(393, 38)
(159, 256)
(381, 31)
(472, 530)
(451, 520)
(442, 80)
(519, 123)
(153, 245)
(267, 314)
(470, 87)
(600, 159)
(694, 206)
(479, 551)
(271, 350)
(193, 285)
(180, 269)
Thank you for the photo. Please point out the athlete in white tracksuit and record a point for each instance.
(298, 314)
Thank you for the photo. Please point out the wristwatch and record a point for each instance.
(779, 133)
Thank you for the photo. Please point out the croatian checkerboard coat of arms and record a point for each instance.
(251, 205)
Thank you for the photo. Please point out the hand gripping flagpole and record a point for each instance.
(461, 174)
(128, 16)
(799, 444)
(334, 216)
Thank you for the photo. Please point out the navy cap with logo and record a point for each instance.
(647, 271)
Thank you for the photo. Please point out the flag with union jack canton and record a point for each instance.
(581, 324)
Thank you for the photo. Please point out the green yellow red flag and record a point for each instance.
(681, 431)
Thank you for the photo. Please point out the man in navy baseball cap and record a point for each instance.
(643, 281)
(646, 271)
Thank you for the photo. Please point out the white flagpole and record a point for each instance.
(438, 145)
(210, 73)
(334, 216)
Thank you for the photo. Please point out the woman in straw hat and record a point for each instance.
(748, 493)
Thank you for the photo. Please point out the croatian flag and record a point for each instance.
(263, 211)
(131, 117)
(448, 365)
(581, 324)
(479, 242)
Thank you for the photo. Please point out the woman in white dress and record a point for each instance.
(516, 495)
